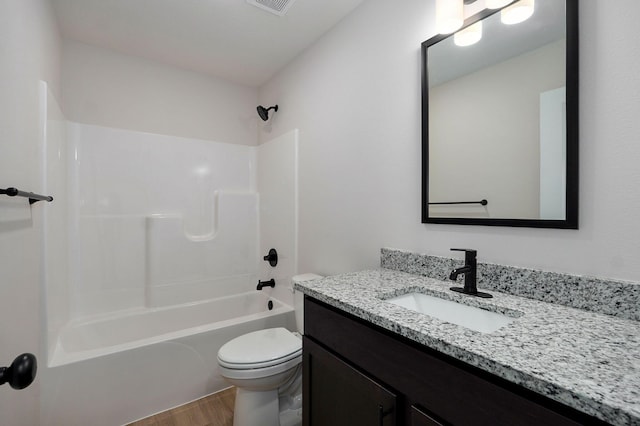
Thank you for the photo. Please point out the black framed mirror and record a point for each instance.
(500, 122)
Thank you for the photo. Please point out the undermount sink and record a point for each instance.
(456, 313)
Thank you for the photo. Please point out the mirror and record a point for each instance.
(500, 122)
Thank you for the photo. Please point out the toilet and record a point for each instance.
(266, 368)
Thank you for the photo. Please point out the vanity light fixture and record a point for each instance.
(468, 36)
(517, 12)
(496, 4)
(449, 15)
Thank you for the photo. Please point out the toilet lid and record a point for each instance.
(260, 348)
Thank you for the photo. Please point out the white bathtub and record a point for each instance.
(130, 329)
(119, 368)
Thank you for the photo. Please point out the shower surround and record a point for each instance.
(159, 220)
(153, 248)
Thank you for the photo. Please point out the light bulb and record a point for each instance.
(470, 35)
(517, 12)
(449, 15)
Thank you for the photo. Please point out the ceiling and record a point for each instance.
(230, 39)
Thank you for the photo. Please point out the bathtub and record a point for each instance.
(115, 369)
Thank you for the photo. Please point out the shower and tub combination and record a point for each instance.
(153, 248)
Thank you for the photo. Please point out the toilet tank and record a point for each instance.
(298, 299)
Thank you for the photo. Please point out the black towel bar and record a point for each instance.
(33, 198)
(483, 202)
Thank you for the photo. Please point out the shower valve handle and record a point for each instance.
(272, 257)
(21, 372)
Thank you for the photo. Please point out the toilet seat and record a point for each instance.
(260, 348)
(264, 364)
(257, 373)
(272, 349)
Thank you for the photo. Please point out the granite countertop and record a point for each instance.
(586, 360)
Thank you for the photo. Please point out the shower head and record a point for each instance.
(264, 112)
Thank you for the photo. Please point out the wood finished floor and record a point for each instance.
(212, 410)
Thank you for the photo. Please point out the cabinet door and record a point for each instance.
(336, 394)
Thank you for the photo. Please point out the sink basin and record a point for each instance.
(456, 313)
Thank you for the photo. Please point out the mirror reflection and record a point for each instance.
(497, 121)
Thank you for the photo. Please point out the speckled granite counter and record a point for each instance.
(586, 360)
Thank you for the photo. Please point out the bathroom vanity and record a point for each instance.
(370, 362)
(347, 361)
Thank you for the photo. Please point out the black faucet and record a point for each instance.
(270, 283)
(470, 271)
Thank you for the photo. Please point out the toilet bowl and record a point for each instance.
(266, 368)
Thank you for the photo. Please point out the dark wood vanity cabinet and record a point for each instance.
(355, 373)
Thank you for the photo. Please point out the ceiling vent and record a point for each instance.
(277, 7)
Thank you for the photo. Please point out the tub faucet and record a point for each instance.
(270, 283)
(470, 271)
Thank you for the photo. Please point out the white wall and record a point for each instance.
(29, 52)
(111, 89)
(355, 96)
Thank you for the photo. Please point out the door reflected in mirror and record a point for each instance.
(500, 121)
